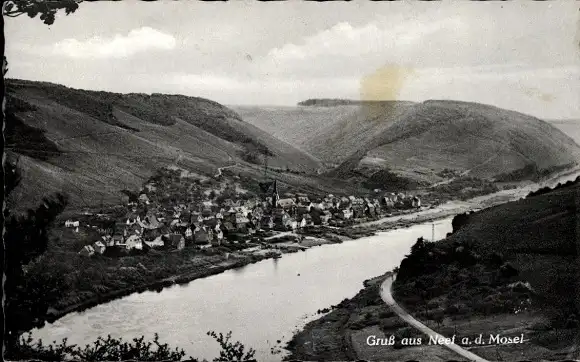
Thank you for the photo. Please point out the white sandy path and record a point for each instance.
(387, 296)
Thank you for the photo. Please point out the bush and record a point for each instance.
(115, 349)
(391, 323)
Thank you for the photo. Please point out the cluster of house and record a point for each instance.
(210, 223)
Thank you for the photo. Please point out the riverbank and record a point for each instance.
(348, 332)
(207, 263)
(341, 334)
(54, 314)
(140, 273)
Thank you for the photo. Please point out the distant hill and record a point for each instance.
(295, 125)
(329, 102)
(420, 141)
(570, 127)
(318, 128)
(94, 144)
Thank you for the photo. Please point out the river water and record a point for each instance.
(260, 303)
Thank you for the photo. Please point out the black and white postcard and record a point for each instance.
(291, 180)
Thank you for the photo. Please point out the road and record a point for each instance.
(387, 296)
(464, 173)
(223, 168)
(454, 207)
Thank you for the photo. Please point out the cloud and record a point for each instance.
(120, 46)
(375, 37)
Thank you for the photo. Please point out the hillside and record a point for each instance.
(509, 269)
(570, 127)
(95, 144)
(469, 138)
(330, 130)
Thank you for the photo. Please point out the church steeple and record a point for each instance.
(275, 196)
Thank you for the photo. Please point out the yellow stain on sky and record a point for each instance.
(385, 83)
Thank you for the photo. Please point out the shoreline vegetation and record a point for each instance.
(217, 265)
(341, 333)
(508, 307)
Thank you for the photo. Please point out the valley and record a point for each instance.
(167, 189)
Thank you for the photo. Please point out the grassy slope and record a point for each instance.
(418, 140)
(108, 142)
(539, 236)
(295, 125)
(469, 136)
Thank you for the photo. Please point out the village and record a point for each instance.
(173, 212)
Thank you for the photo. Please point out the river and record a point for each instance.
(263, 302)
(260, 303)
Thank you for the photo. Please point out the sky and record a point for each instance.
(518, 55)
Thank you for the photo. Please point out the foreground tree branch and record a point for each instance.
(45, 9)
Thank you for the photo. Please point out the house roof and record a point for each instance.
(175, 237)
(286, 202)
(228, 226)
(88, 248)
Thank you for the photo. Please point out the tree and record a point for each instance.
(25, 240)
(46, 9)
(418, 247)
(459, 221)
(231, 352)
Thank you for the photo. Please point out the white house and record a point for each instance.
(219, 234)
(286, 203)
(347, 213)
(294, 224)
(99, 247)
(242, 210)
(134, 242)
(241, 219)
(71, 224)
(416, 202)
(156, 243)
(87, 250)
(144, 198)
